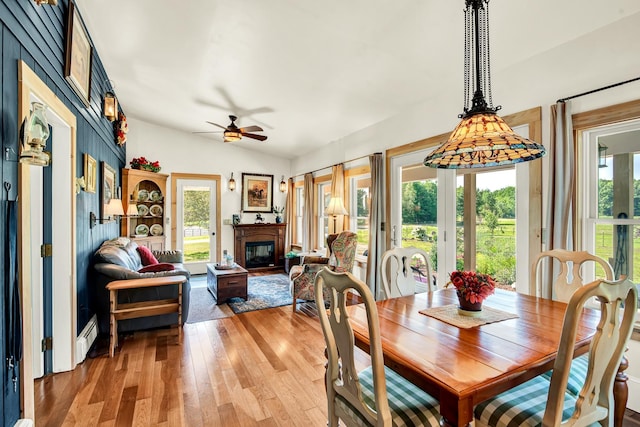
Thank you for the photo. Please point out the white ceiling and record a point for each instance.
(310, 72)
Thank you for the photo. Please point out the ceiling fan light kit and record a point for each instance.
(233, 133)
(482, 139)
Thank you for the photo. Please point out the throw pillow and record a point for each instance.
(154, 268)
(146, 256)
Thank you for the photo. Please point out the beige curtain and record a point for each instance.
(290, 216)
(337, 190)
(377, 239)
(307, 215)
(562, 171)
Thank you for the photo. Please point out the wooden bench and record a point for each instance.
(143, 308)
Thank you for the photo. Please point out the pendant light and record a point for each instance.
(482, 138)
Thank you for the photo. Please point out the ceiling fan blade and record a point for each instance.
(211, 131)
(215, 124)
(251, 129)
(254, 136)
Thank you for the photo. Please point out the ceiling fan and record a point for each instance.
(234, 133)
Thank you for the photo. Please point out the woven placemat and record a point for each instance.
(450, 315)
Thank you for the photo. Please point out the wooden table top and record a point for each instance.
(237, 269)
(462, 367)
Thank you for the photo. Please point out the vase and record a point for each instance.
(278, 219)
(467, 308)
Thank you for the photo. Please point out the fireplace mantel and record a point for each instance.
(244, 233)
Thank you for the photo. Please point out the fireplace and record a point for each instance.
(259, 246)
(259, 254)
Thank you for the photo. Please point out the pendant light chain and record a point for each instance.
(467, 60)
(488, 59)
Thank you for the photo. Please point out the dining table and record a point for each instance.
(463, 364)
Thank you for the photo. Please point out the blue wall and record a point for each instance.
(36, 35)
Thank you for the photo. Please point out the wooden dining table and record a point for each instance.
(459, 366)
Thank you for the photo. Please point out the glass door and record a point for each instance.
(196, 223)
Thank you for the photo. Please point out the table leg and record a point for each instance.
(180, 312)
(113, 323)
(454, 412)
(620, 393)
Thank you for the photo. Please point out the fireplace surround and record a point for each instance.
(255, 240)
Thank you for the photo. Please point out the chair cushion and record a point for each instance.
(409, 405)
(154, 268)
(146, 256)
(522, 405)
(577, 374)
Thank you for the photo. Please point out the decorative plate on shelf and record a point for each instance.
(142, 230)
(156, 230)
(143, 195)
(143, 210)
(155, 196)
(155, 210)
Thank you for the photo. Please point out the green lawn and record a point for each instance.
(196, 248)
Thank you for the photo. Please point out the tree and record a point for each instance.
(196, 208)
(491, 221)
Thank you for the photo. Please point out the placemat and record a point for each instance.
(450, 315)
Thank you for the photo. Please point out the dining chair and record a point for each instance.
(405, 271)
(375, 396)
(342, 248)
(570, 277)
(552, 402)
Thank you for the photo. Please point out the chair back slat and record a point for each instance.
(399, 275)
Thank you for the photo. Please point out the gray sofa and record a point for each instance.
(118, 259)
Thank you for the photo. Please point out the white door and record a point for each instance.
(196, 226)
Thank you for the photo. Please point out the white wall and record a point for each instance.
(183, 152)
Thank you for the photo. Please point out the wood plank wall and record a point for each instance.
(36, 35)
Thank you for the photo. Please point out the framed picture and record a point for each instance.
(108, 188)
(90, 173)
(77, 64)
(257, 192)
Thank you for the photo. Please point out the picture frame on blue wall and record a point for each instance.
(90, 172)
(78, 56)
(108, 190)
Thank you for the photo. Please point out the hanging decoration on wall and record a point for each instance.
(121, 129)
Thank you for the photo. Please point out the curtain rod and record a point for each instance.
(330, 166)
(597, 90)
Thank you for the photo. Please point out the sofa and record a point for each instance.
(120, 259)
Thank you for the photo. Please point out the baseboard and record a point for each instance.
(86, 339)
(23, 423)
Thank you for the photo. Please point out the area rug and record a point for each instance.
(264, 292)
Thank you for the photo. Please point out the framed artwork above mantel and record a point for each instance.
(257, 192)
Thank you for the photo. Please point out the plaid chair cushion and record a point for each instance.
(523, 405)
(577, 374)
(409, 405)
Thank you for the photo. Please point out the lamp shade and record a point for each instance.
(232, 183)
(110, 107)
(283, 185)
(336, 207)
(114, 208)
(132, 210)
(34, 137)
(483, 140)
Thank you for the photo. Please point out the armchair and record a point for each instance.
(342, 248)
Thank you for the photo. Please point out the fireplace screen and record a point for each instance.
(259, 254)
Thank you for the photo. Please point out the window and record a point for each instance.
(299, 206)
(322, 220)
(359, 207)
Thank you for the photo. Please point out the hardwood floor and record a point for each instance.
(262, 368)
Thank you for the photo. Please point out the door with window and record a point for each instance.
(197, 220)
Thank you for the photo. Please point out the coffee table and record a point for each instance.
(226, 283)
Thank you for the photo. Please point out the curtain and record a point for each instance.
(290, 217)
(562, 171)
(337, 190)
(377, 240)
(307, 215)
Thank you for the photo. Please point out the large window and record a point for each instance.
(322, 220)
(299, 206)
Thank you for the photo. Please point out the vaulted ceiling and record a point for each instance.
(310, 72)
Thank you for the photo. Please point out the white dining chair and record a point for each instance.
(551, 401)
(405, 271)
(375, 396)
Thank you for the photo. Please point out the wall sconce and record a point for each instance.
(602, 156)
(232, 183)
(113, 211)
(51, 2)
(110, 106)
(283, 185)
(35, 132)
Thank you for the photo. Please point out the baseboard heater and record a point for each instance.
(86, 339)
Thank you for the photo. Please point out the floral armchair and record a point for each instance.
(343, 251)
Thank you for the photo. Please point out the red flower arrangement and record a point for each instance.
(143, 163)
(473, 287)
